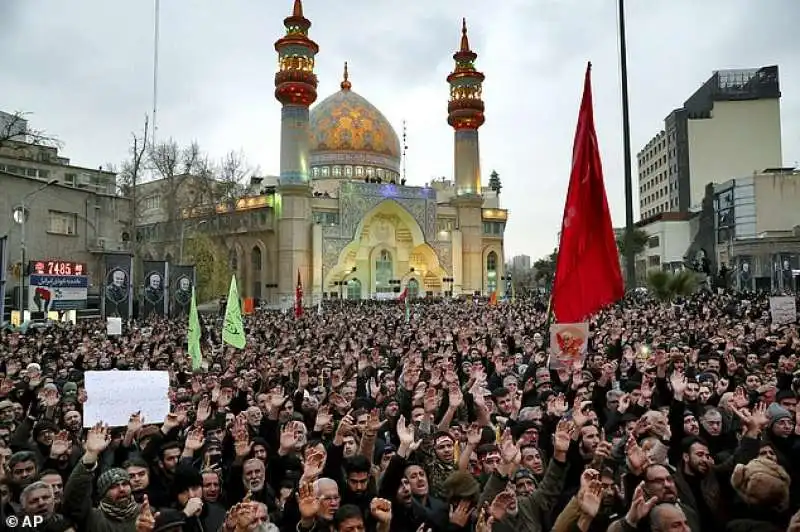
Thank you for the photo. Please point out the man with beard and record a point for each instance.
(117, 509)
(706, 487)
(358, 489)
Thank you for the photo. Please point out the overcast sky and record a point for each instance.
(84, 69)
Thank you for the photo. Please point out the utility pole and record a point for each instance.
(630, 258)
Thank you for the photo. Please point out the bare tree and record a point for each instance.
(15, 132)
(233, 173)
(132, 170)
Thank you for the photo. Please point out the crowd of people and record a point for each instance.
(681, 417)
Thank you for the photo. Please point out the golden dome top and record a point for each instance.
(346, 122)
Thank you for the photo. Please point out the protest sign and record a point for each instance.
(112, 396)
(568, 344)
(783, 309)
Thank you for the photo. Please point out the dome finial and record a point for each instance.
(464, 38)
(298, 8)
(345, 85)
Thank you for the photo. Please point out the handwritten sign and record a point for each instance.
(113, 326)
(112, 396)
(783, 309)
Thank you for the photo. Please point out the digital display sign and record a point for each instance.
(57, 267)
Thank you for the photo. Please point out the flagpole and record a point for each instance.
(156, 33)
(630, 259)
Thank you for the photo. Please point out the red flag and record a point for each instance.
(298, 297)
(403, 295)
(587, 271)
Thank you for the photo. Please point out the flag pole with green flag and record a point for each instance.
(194, 335)
(232, 327)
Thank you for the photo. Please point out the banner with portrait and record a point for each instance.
(117, 300)
(785, 266)
(181, 282)
(744, 273)
(154, 298)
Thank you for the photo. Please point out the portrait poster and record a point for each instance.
(154, 290)
(568, 344)
(744, 273)
(117, 300)
(181, 282)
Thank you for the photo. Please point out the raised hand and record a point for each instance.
(474, 435)
(455, 396)
(323, 419)
(313, 465)
(590, 498)
(194, 440)
(97, 440)
(288, 438)
(61, 445)
(145, 521)
(636, 458)
(135, 423)
(679, 384)
(563, 436)
(374, 422)
(307, 502)
(203, 410)
(501, 503)
(405, 432)
(381, 510)
(460, 515)
(640, 506)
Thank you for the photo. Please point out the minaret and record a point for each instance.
(296, 89)
(465, 115)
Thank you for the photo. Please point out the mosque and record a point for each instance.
(341, 212)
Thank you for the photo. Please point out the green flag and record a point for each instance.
(194, 335)
(232, 328)
(408, 310)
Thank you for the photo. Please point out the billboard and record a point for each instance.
(57, 292)
(117, 300)
(154, 292)
(182, 280)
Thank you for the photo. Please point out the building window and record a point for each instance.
(325, 171)
(337, 171)
(491, 272)
(654, 261)
(151, 202)
(348, 171)
(70, 178)
(63, 223)
(315, 172)
(370, 172)
(353, 289)
(653, 242)
(384, 270)
(359, 171)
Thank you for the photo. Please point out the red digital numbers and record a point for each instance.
(58, 267)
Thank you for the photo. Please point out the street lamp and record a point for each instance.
(21, 216)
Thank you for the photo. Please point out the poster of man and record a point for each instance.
(153, 302)
(116, 294)
(183, 292)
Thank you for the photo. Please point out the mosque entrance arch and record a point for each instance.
(388, 247)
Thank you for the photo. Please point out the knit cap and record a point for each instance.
(776, 412)
(111, 478)
(762, 482)
(461, 485)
